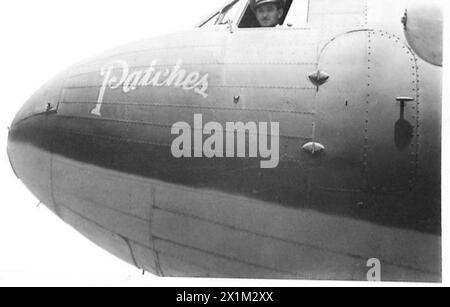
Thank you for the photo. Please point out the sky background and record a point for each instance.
(39, 39)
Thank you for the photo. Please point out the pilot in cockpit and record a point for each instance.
(268, 12)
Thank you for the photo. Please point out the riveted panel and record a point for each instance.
(394, 115)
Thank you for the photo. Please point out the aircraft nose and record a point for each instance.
(30, 139)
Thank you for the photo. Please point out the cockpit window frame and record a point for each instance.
(298, 25)
(218, 12)
(233, 5)
(208, 19)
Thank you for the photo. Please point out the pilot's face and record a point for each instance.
(269, 14)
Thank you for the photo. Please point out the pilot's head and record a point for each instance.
(268, 12)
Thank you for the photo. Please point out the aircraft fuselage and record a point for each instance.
(96, 145)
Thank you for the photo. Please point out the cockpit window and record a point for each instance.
(295, 14)
(249, 19)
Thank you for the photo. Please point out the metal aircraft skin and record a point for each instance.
(357, 95)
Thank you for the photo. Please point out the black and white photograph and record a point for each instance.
(204, 143)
